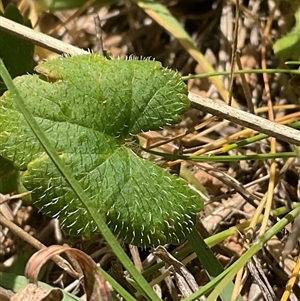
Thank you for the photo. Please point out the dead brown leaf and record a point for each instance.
(95, 285)
(5, 294)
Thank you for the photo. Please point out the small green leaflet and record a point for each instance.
(89, 107)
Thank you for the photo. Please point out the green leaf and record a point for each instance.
(90, 107)
(16, 53)
(57, 5)
(288, 47)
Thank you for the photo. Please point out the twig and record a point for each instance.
(222, 110)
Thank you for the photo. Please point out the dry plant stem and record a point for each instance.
(234, 49)
(246, 186)
(271, 185)
(216, 147)
(4, 198)
(99, 38)
(173, 291)
(155, 281)
(170, 284)
(229, 181)
(222, 110)
(264, 62)
(245, 85)
(237, 284)
(248, 13)
(196, 128)
(22, 6)
(288, 265)
(292, 239)
(258, 110)
(291, 282)
(260, 208)
(211, 129)
(136, 257)
(19, 195)
(262, 276)
(62, 263)
(270, 191)
(179, 267)
(245, 133)
(262, 282)
(183, 287)
(7, 197)
(39, 39)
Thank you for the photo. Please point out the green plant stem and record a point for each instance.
(99, 221)
(210, 263)
(292, 63)
(222, 158)
(268, 71)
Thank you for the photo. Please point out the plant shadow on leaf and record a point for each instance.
(88, 110)
(8, 176)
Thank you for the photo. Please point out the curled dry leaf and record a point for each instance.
(95, 285)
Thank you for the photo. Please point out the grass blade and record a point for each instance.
(210, 263)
